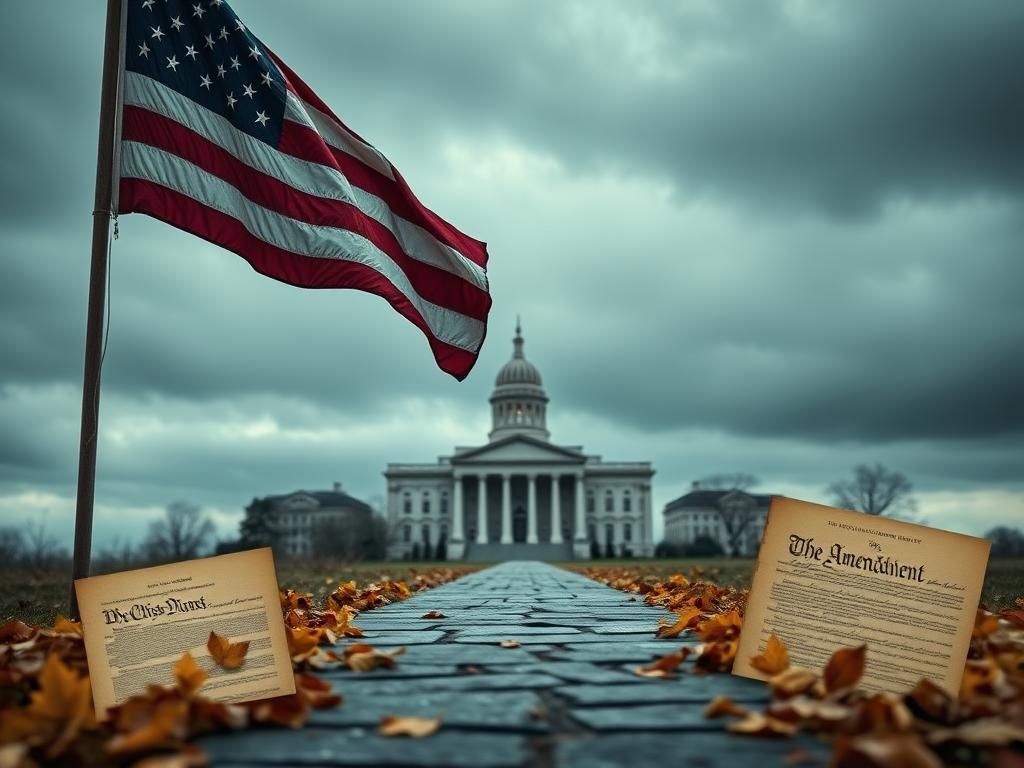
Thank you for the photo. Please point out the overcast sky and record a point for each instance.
(781, 238)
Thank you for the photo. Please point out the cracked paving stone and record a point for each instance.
(648, 717)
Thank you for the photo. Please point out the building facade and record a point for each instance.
(520, 496)
(721, 515)
(293, 520)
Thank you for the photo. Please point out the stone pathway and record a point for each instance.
(564, 697)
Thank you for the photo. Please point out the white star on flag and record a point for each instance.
(205, 82)
(261, 118)
(144, 50)
(172, 63)
(232, 100)
(197, 10)
(191, 52)
(157, 33)
(176, 23)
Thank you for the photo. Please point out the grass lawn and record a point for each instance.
(39, 597)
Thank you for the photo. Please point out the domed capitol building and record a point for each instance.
(520, 496)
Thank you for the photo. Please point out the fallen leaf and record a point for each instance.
(664, 666)
(723, 705)
(65, 626)
(188, 675)
(990, 732)
(15, 631)
(882, 713)
(685, 619)
(433, 615)
(302, 640)
(364, 658)
(845, 668)
(63, 703)
(509, 643)
(147, 725)
(775, 658)
(227, 654)
(722, 626)
(897, 751)
(416, 727)
(756, 724)
(792, 682)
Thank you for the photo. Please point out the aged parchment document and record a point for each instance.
(828, 578)
(137, 624)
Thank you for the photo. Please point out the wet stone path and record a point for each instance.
(564, 697)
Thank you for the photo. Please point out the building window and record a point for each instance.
(406, 533)
(627, 503)
(590, 501)
(407, 503)
(444, 501)
(609, 501)
(609, 533)
(591, 532)
(425, 506)
(425, 534)
(627, 531)
(444, 533)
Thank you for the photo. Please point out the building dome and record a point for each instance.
(519, 403)
(518, 370)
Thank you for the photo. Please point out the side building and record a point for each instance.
(520, 496)
(721, 515)
(310, 523)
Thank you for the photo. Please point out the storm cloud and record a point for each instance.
(782, 238)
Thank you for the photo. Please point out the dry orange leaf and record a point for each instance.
(433, 615)
(722, 626)
(775, 658)
(723, 705)
(686, 618)
(756, 724)
(65, 626)
(302, 640)
(149, 725)
(364, 658)
(664, 666)
(64, 704)
(227, 654)
(792, 682)
(188, 675)
(510, 643)
(405, 725)
(898, 751)
(845, 668)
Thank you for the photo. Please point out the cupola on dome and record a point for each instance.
(519, 403)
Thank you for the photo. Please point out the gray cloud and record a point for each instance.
(775, 237)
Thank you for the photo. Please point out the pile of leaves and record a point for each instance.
(712, 612)
(925, 727)
(46, 706)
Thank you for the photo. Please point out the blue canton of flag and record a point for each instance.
(204, 52)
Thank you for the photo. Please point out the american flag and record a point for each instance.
(221, 139)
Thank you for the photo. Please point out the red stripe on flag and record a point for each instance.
(431, 283)
(139, 196)
(397, 193)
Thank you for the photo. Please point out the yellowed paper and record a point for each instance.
(828, 578)
(137, 624)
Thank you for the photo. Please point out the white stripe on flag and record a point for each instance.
(335, 134)
(143, 161)
(302, 175)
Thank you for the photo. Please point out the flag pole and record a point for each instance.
(101, 215)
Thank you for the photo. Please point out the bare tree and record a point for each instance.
(736, 512)
(12, 546)
(876, 491)
(180, 535)
(41, 549)
(1006, 541)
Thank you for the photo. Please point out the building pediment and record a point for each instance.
(519, 449)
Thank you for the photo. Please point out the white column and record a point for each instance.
(506, 509)
(581, 523)
(457, 534)
(481, 509)
(556, 514)
(531, 509)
